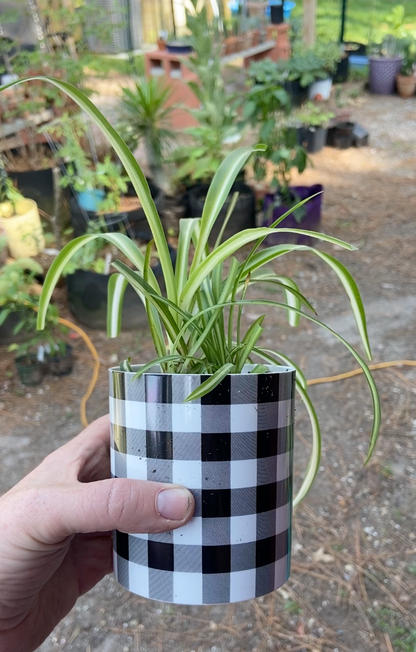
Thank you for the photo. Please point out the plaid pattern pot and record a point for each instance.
(233, 449)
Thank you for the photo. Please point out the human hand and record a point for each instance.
(56, 532)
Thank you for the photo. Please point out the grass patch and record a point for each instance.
(364, 19)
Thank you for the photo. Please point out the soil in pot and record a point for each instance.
(312, 138)
(243, 216)
(61, 364)
(30, 370)
(297, 93)
(311, 219)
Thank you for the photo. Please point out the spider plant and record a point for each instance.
(197, 327)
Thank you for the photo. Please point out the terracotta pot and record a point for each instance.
(406, 86)
(239, 43)
(255, 37)
(231, 43)
(161, 44)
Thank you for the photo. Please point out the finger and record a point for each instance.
(116, 504)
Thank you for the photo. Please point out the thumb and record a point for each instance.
(115, 504)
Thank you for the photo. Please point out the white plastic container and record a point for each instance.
(320, 89)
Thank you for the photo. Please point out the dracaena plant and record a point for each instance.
(197, 326)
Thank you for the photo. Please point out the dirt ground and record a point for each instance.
(353, 582)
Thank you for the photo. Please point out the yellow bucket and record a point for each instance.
(24, 230)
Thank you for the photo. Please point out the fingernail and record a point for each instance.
(173, 504)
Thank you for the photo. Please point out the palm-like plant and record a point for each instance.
(197, 326)
(145, 118)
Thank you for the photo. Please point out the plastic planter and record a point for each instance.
(383, 72)
(24, 232)
(177, 47)
(61, 364)
(310, 221)
(243, 216)
(233, 450)
(80, 218)
(312, 138)
(30, 370)
(320, 89)
(297, 93)
(89, 200)
(276, 12)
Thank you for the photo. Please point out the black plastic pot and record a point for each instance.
(342, 70)
(137, 219)
(36, 185)
(243, 216)
(313, 139)
(61, 364)
(7, 328)
(297, 93)
(178, 47)
(341, 135)
(276, 14)
(30, 370)
(81, 218)
(87, 299)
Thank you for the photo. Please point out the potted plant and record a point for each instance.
(19, 218)
(42, 351)
(97, 187)
(201, 413)
(217, 131)
(313, 129)
(18, 288)
(327, 56)
(406, 79)
(267, 109)
(387, 57)
(145, 117)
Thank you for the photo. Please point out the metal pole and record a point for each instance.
(343, 19)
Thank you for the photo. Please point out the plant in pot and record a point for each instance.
(327, 56)
(217, 131)
(19, 218)
(204, 412)
(406, 79)
(313, 129)
(97, 187)
(386, 59)
(44, 351)
(145, 119)
(267, 109)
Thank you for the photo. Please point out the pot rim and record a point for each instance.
(272, 369)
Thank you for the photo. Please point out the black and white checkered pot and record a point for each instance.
(234, 450)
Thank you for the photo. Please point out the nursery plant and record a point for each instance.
(212, 390)
(312, 115)
(81, 172)
(145, 118)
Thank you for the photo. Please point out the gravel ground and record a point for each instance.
(354, 551)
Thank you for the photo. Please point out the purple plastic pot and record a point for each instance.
(310, 221)
(383, 71)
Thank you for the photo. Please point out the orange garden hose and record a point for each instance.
(356, 372)
(96, 371)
